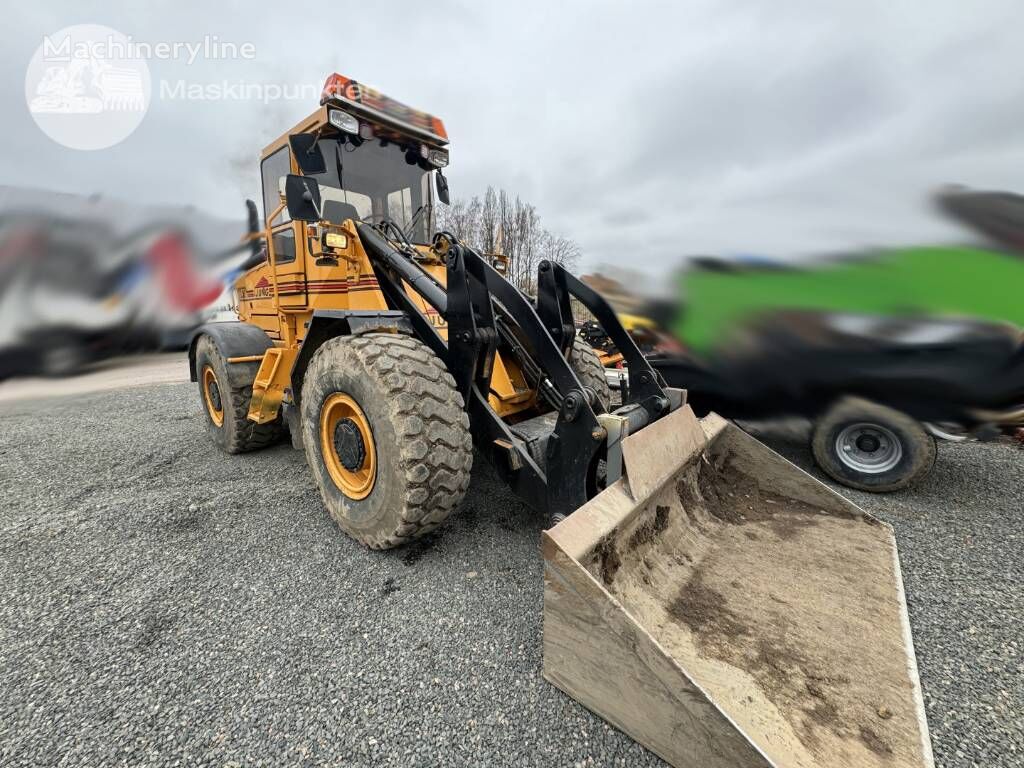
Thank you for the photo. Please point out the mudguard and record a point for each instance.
(327, 324)
(233, 339)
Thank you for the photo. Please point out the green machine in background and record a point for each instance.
(952, 281)
(982, 281)
(882, 351)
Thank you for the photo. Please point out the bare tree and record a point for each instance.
(489, 222)
(502, 224)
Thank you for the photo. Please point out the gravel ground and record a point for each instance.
(159, 604)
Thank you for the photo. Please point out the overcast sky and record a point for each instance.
(643, 131)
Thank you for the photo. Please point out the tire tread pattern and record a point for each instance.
(435, 444)
(238, 434)
(588, 368)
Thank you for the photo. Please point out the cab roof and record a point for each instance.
(363, 100)
(371, 105)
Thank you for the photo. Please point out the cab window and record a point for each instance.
(274, 168)
(284, 245)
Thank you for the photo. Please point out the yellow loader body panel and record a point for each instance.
(303, 287)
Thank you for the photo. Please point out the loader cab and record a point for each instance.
(373, 159)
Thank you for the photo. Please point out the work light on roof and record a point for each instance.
(436, 157)
(370, 104)
(343, 121)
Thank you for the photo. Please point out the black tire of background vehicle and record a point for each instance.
(61, 355)
(420, 431)
(236, 434)
(584, 361)
(917, 447)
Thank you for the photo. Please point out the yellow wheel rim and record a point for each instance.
(346, 443)
(212, 397)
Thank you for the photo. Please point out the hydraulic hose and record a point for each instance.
(379, 248)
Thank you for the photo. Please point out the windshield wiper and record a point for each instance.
(415, 219)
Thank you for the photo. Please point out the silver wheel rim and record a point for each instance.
(868, 448)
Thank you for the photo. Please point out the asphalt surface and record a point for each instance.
(162, 603)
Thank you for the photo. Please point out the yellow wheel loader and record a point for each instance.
(701, 594)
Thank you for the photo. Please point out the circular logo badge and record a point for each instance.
(86, 87)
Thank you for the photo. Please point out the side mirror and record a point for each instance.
(442, 187)
(303, 197)
(307, 153)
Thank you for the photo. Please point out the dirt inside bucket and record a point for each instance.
(785, 613)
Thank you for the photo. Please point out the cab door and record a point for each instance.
(286, 234)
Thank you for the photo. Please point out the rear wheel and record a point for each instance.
(386, 436)
(585, 363)
(227, 407)
(871, 447)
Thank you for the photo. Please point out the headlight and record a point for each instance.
(436, 157)
(343, 121)
(439, 158)
(336, 240)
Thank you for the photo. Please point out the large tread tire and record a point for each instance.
(918, 450)
(424, 450)
(236, 434)
(587, 366)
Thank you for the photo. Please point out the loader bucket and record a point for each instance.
(725, 609)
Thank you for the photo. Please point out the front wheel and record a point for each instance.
(588, 369)
(386, 436)
(871, 447)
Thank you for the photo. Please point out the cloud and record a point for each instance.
(645, 131)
